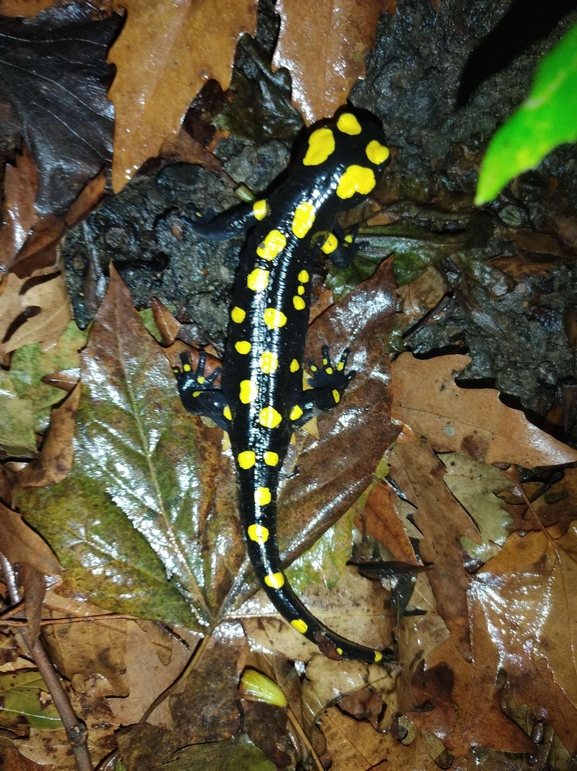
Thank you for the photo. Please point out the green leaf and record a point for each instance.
(235, 754)
(20, 701)
(547, 118)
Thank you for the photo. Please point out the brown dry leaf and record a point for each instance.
(462, 698)
(164, 55)
(471, 421)
(526, 597)
(55, 459)
(19, 214)
(33, 310)
(25, 8)
(381, 521)
(19, 543)
(182, 148)
(443, 522)
(323, 45)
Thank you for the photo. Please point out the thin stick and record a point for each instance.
(76, 731)
(303, 737)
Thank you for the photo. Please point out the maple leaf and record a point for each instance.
(54, 75)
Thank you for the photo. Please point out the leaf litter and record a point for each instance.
(140, 462)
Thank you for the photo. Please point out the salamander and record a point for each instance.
(261, 400)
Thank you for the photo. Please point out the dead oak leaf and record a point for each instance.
(33, 309)
(323, 45)
(472, 421)
(167, 51)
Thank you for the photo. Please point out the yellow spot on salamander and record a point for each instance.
(246, 459)
(376, 152)
(248, 391)
(336, 396)
(196, 393)
(348, 124)
(330, 244)
(356, 179)
(274, 319)
(274, 242)
(349, 239)
(258, 533)
(271, 458)
(329, 370)
(186, 367)
(299, 303)
(268, 362)
(303, 219)
(262, 496)
(321, 145)
(296, 412)
(301, 290)
(303, 276)
(269, 417)
(227, 413)
(340, 651)
(257, 279)
(243, 346)
(299, 625)
(340, 366)
(294, 366)
(237, 315)
(260, 209)
(200, 379)
(274, 580)
(378, 656)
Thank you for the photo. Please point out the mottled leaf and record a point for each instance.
(21, 706)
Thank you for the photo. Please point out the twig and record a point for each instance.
(76, 731)
(304, 739)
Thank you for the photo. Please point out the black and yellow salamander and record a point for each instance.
(261, 400)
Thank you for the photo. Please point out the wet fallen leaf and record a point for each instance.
(164, 55)
(526, 594)
(33, 309)
(59, 59)
(21, 705)
(471, 421)
(55, 459)
(19, 214)
(443, 522)
(474, 485)
(381, 521)
(19, 543)
(336, 35)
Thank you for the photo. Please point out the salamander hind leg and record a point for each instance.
(329, 383)
(198, 392)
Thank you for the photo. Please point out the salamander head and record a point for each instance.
(350, 154)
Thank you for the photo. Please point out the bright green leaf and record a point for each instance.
(21, 702)
(547, 118)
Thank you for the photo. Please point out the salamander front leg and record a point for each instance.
(329, 383)
(229, 223)
(198, 392)
(341, 248)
